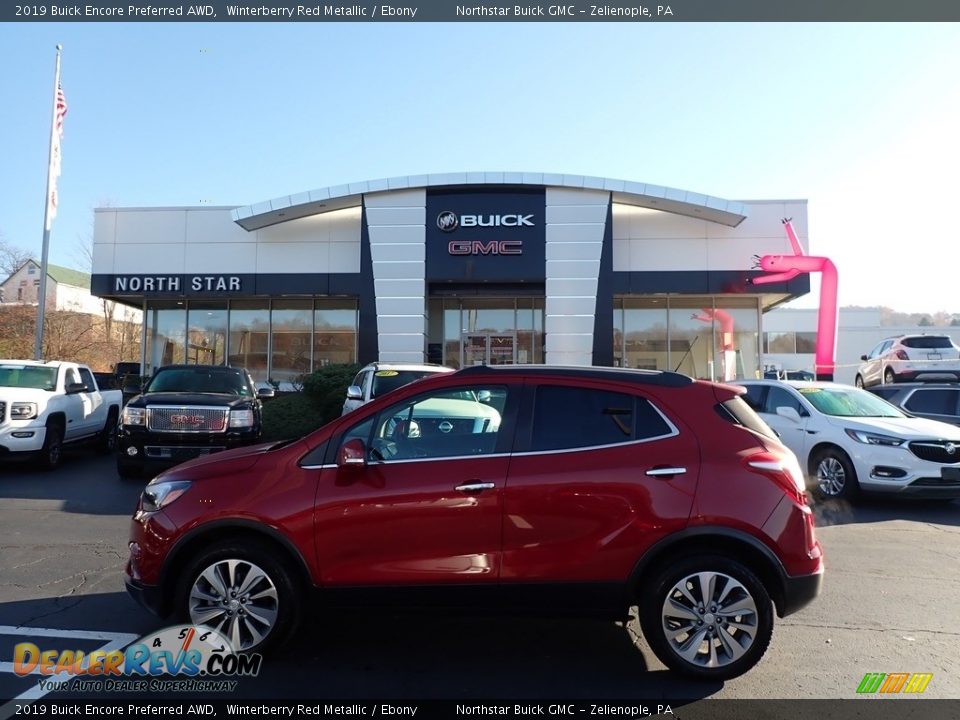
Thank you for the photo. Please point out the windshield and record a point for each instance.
(199, 380)
(849, 402)
(385, 381)
(28, 376)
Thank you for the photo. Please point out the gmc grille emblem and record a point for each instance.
(186, 419)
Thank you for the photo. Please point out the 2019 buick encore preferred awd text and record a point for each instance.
(563, 491)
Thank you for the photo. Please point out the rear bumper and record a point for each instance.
(799, 591)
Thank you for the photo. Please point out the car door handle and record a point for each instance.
(666, 471)
(475, 487)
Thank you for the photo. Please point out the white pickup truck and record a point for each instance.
(44, 405)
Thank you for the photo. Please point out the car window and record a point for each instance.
(928, 342)
(754, 396)
(444, 423)
(848, 402)
(778, 397)
(385, 381)
(878, 348)
(933, 401)
(571, 417)
(71, 377)
(87, 379)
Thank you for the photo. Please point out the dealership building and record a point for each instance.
(457, 269)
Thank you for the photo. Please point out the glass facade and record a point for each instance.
(710, 337)
(277, 341)
(490, 331)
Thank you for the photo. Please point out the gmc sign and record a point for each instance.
(485, 247)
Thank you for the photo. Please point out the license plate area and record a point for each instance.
(950, 473)
(934, 356)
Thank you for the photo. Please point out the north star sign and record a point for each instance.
(176, 283)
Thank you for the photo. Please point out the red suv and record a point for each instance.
(564, 491)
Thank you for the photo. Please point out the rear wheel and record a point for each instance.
(859, 381)
(243, 590)
(835, 476)
(708, 616)
(107, 442)
(889, 377)
(52, 452)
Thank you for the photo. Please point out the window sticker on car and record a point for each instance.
(387, 373)
(809, 391)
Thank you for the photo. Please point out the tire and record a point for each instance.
(107, 442)
(671, 618)
(859, 381)
(889, 377)
(835, 478)
(129, 470)
(284, 608)
(52, 452)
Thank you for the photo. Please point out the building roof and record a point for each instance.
(59, 274)
(657, 197)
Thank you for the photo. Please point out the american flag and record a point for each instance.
(60, 111)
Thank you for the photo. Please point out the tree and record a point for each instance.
(11, 258)
(925, 321)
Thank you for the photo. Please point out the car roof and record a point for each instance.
(214, 368)
(645, 377)
(416, 367)
(795, 383)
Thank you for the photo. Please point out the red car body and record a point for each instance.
(582, 530)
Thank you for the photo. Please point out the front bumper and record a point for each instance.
(30, 440)
(147, 596)
(915, 477)
(164, 450)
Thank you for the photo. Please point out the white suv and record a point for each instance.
(910, 357)
(850, 440)
(379, 378)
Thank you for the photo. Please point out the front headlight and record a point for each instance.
(157, 496)
(869, 438)
(241, 418)
(134, 415)
(23, 411)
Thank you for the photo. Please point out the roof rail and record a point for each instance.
(663, 378)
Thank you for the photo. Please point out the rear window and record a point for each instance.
(933, 402)
(738, 412)
(928, 342)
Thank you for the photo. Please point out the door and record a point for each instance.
(873, 369)
(489, 349)
(94, 412)
(596, 477)
(794, 432)
(76, 409)
(475, 347)
(426, 508)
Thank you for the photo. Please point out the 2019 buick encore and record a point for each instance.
(565, 491)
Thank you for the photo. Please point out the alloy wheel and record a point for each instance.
(236, 598)
(710, 619)
(831, 477)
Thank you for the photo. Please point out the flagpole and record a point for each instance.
(42, 297)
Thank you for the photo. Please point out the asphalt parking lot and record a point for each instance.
(889, 605)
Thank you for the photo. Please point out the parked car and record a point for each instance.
(910, 357)
(186, 411)
(935, 401)
(379, 378)
(45, 405)
(551, 490)
(849, 440)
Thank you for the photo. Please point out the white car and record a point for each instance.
(910, 357)
(378, 378)
(850, 440)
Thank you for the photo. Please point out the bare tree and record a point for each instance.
(11, 258)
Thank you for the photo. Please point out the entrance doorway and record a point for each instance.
(488, 349)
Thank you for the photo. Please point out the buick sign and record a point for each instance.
(447, 221)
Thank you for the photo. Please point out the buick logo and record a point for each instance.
(448, 221)
(950, 447)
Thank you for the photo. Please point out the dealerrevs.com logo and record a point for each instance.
(182, 658)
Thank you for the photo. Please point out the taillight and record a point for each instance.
(902, 355)
(783, 469)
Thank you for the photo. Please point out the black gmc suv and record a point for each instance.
(185, 411)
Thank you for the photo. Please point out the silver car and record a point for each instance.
(910, 357)
(379, 378)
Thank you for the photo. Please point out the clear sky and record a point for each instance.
(862, 120)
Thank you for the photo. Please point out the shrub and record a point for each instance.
(290, 416)
(327, 387)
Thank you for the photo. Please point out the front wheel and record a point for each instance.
(836, 478)
(107, 442)
(708, 616)
(889, 377)
(52, 452)
(244, 591)
(859, 381)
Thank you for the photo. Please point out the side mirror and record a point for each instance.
(353, 454)
(864, 358)
(354, 392)
(73, 388)
(266, 392)
(789, 413)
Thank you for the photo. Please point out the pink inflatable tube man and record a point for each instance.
(727, 342)
(787, 267)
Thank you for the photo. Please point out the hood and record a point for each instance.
(179, 399)
(226, 462)
(909, 428)
(14, 394)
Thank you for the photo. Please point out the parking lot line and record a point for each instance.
(115, 641)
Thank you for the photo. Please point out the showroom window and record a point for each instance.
(335, 332)
(250, 337)
(166, 329)
(291, 325)
(207, 333)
